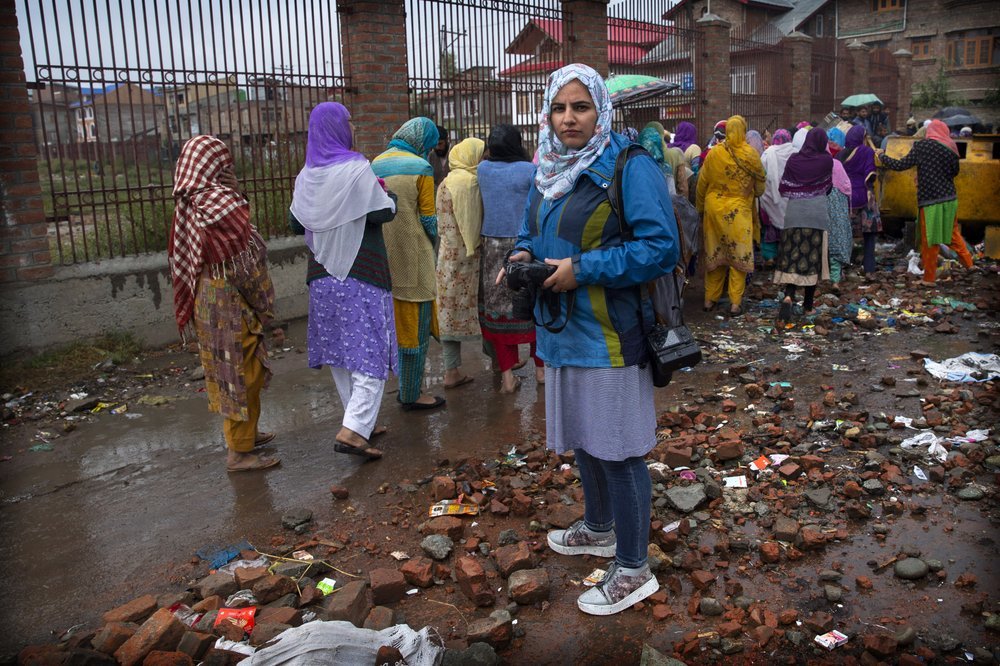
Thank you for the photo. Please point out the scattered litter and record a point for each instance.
(513, 459)
(77, 396)
(234, 646)
(241, 599)
(399, 555)
(326, 586)
(102, 406)
(969, 367)
(244, 564)
(303, 555)
(688, 475)
(120, 409)
(905, 420)
(919, 473)
(413, 591)
(219, 557)
(842, 368)
(672, 526)
(761, 463)
(831, 639)
(343, 643)
(41, 447)
(735, 482)
(154, 400)
(595, 577)
(241, 617)
(452, 508)
(929, 440)
(781, 384)
(778, 458)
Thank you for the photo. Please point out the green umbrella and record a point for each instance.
(863, 99)
(630, 88)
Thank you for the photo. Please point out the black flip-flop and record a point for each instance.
(340, 447)
(416, 406)
(785, 311)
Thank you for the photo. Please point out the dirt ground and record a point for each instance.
(99, 508)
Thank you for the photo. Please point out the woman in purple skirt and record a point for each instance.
(340, 206)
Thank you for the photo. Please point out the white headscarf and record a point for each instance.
(799, 139)
(335, 191)
(559, 166)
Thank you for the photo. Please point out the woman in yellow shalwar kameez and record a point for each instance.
(729, 180)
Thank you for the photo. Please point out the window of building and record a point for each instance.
(816, 83)
(921, 48)
(449, 109)
(973, 48)
(818, 25)
(886, 5)
(471, 106)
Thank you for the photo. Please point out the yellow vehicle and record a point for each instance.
(978, 182)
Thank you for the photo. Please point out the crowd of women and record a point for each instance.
(395, 260)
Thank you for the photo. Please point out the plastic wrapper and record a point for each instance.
(241, 617)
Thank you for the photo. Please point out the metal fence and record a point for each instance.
(476, 63)
(117, 88)
(883, 76)
(645, 38)
(761, 92)
(832, 76)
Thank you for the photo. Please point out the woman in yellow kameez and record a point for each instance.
(728, 181)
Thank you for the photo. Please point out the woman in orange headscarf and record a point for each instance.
(936, 159)
(730, 178)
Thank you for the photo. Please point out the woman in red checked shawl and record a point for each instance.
(218, 263)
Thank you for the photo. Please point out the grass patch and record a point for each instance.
(70, 362)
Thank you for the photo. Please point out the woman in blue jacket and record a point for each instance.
(598, 385)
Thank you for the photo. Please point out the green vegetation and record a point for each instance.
(936, 92)
(69, 361)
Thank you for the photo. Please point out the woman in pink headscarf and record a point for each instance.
(936, 159)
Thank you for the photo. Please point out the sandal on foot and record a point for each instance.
(517, 385)
(736, 312)
(461, 382)
(378, 432)
(261, 462)
(263, 438)
(368, 453)
(785, 311)
(417, 406)
(708, 308)
(519, 365)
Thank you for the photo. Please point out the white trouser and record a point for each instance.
(361, 396)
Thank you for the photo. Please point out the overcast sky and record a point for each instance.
(261, 36)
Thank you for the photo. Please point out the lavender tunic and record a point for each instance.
(351, 326)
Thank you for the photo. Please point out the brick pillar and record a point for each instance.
(904, 61)
(373, 39)
(860, 55)
(718, 102)
(585, 26)
(799, 46)
(24, 243)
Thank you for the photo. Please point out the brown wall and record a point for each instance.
(927, 18)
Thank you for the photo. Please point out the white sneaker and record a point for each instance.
(578, 541)
(618, 591)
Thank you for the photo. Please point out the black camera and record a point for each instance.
(525, 279)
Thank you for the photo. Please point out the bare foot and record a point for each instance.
(510, 387)
(248, 462)
(539, 375)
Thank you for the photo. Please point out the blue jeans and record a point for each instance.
(618, 494)
(869, 257)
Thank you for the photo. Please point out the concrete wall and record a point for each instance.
(132, 294)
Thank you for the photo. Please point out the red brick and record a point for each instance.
(528, 586)
(702, 579)
(247, 576)
(272, 587)
(283, 615)
(136, 610)
(449, 526)
(388, 585)
(770, 552)
(513, 558)
(443, 488)
(472, 580)
(164, 658)
(350, 603)
(112, 636)
(419, 571)
(214, 602)
(162, 631)
(195, 644)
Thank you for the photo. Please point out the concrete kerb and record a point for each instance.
(132, 294)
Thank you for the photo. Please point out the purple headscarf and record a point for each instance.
(685, 136)
(859, 162)
(330, 139)
(780, 137)
(756, 141)
(808, 172)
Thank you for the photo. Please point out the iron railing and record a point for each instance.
(118, 86)
(476, 63)
(761, 92)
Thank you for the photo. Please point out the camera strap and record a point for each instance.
(616, 197)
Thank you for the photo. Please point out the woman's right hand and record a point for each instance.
(517, 256)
